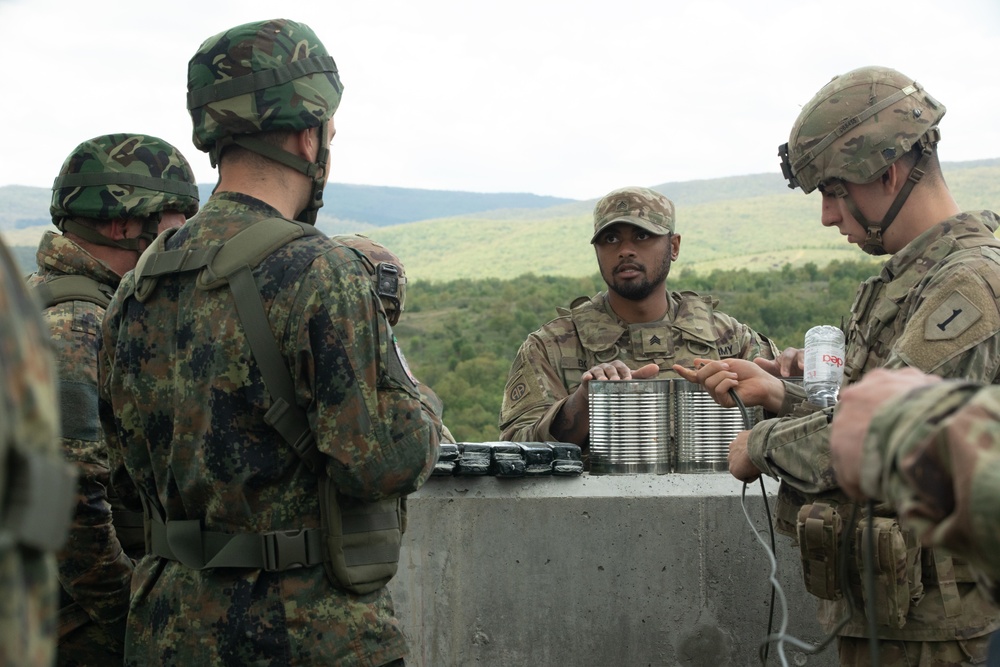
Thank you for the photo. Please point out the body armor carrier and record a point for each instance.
(359, 542)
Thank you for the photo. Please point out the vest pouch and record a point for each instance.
(818, 528)
(362, 539)
(896, 570)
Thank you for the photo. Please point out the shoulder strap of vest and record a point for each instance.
(73, 288)
(232, 262)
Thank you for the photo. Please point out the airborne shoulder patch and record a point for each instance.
(952, 318)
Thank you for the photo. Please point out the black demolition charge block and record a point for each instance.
(447, 459)
(537, 458)
(473, 458)
(566, 458)
(506, 459)
(509, 459)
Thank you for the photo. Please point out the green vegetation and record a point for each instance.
(491, 268)
(460, 336)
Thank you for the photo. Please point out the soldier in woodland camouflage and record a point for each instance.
(867, 142)
(113, 195)
(241, 570)
(29, 419)
(389, 281)
(637, 329)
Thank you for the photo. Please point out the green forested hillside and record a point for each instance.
(460, 336)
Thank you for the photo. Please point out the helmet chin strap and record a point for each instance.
(873, 244)
(308, 214)
(150, 230)
(315, 170)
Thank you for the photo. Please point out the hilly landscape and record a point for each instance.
(485, 270)
(754, 222)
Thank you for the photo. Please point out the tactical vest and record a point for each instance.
(690, 333)
(871, 332)
(358, 543)
(62, 289)
(904, 569)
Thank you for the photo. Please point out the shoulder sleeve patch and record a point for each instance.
(952, 318)
(949, 323)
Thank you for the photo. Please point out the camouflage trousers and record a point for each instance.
(854, 652)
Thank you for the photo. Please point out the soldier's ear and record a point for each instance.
(675, 246)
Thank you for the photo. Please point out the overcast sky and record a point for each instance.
(570, 98)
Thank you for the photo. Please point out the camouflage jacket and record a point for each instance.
(93, 569)
(935, 457)
(935, 306)
(183, 404)
(550, 363)
(29, 415)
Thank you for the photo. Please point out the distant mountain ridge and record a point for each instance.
(753, 221)
(364, 206)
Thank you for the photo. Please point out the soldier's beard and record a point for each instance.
(637, 290)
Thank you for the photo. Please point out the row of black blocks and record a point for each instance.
(509, 459)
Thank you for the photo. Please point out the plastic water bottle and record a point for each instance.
(824, 364)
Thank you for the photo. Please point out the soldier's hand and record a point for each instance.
(617, 370)
(790, 363)
(740, 465)
(752, 384)
(855, 409)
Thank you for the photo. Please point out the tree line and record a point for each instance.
(461, 336)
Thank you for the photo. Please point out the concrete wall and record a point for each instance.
(595, 570)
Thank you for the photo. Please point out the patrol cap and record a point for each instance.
(642, 207)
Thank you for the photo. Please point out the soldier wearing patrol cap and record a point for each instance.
(252, 391)
(636, 329)
(113, 195)
(868, 142)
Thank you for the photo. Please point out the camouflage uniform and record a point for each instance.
(184, 402)
(934, 306)
(934, 456)
(551, 361)
(29, 414)
(94, 570)
(391, 288)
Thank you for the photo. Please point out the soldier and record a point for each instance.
(35, 505)
(931, 448)
(867, 141)
(250, 383)
(636, 329)
(389, 282)
(112, 197)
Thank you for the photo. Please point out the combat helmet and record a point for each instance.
(853, 129)
(386, 270)
(259, 77)
(121, 176)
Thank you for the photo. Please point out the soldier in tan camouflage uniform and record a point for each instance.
(251, 385)
(31, 530)
(867, 142)
(113, 195)
(636, 329)
(389, 281)
(932, 449)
